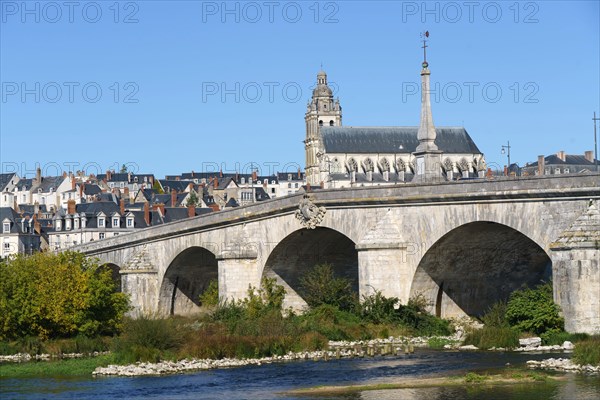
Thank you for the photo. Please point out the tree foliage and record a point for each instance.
(321, 286)
(533, 310)
(192, 199)
(58, 295)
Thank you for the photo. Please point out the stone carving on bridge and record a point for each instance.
(309, 214)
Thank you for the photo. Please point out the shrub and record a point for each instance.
(320, 286)
(491, 336)
(533, 310)
(210, 296)
(587, 351)
(558, 338)
(148, 339)
(495, 316)
(378, 309)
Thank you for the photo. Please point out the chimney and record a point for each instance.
(221, 173)
(173, 197)
(489, 174)
(36, 207)
(72, 176)
(191, 211)
(147, 213)
(161, 207)
(505, 170)
(126, 191)
(215, 182)
(177, 178)
(38, 175)
(561, 155)
(589, 155)
(541, 165)
(71, 207)
(299, 174)
(36, 225)
(254, 176)
(64, 174)
(122, 206)
(265, 184)
(108, 175)
(81, 190)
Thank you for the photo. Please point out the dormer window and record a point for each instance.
(130, 222)
(76, 223)
(116, 222)
(101, 221)
(39, 190)
(289, 177)
(58, 224)
(122, 185)
(68, 224)
(6, 227)
(111, 184)
(135, 178)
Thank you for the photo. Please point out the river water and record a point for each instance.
(272, 381)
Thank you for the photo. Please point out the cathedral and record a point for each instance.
(347, 156)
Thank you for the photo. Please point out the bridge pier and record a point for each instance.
(382, 267)
(142, 288)
(576, 273)
(238, 270)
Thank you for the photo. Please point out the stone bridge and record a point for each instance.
(463, 245)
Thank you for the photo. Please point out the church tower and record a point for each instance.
(322, 110)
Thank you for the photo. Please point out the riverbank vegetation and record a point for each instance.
(528, 312)
(257, 326)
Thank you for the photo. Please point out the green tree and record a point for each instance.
(192, 199)
(157, 187)
(533, 310)
(58, 295)
(123, 169)
(321, 286)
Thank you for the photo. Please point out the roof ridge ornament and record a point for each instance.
(309, 214)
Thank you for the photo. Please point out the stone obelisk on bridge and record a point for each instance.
(428, 158)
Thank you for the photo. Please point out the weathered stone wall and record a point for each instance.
(392, 228)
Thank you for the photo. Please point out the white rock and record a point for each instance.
(530, 342)
(568, 345)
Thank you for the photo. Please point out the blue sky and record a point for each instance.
(175, 86)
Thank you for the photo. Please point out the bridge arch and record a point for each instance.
(115, 272)
(301, 250)
(185, 279)
(477, 264)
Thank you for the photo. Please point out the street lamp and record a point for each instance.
(506, 150)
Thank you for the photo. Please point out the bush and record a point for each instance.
(558, 338)
(210, 296)
(587, 351)
(496, 316)
(490, 336)
(148, 339)
(533, 310)
(58, 295)
(320, 286)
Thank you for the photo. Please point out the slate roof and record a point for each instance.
(569, 160)
(50, 182)
(7, 212)
(27, 183)
(349, 139)
(5, 180)
(91, 189)
(179, 186)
